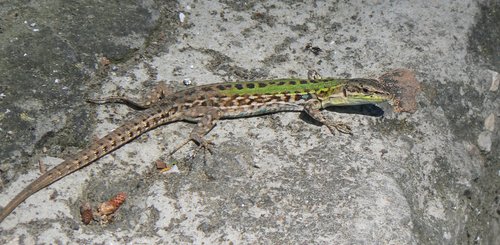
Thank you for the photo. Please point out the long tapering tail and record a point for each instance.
(130, 130)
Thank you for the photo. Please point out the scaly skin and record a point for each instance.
(209, 103)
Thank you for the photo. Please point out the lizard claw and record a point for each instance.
(313, 75)
(206, 145)
(203, 143)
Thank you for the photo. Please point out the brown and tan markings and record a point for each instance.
(206, 104)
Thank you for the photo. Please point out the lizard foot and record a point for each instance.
(313, 75)
(206, 145)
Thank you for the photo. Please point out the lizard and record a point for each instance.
(206, 104)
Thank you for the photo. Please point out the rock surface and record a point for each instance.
(428, 177)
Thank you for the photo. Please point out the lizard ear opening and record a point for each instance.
(365, 90)
(344, 91)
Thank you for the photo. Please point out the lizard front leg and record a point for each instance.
(312, 109)
(159, 92)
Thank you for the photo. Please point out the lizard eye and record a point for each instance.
(365, 90)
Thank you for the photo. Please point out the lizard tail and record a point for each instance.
(128, 131)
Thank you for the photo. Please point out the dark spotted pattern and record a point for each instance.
(226, 99)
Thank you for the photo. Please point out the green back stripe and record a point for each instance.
(274, 87)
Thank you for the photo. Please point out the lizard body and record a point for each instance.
(208, 103)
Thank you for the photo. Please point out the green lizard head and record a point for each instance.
(358, 92)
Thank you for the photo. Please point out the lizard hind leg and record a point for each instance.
(206, 123)
(206, 118)
(159, 93)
